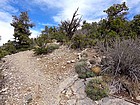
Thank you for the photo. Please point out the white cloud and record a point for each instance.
(6, 32)
(5, 16)
(34, 33)
(91, 10)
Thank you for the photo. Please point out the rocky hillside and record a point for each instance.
(46, 80)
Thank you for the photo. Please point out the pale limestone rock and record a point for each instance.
(68, 62)
(28, 98)
(85, 101)
(138, 98)
(71, 102)
(77, 85)
(72, 61)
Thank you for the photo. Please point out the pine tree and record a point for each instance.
(22, 25)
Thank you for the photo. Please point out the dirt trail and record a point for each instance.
(37, 79)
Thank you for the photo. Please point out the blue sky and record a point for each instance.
(51, 12)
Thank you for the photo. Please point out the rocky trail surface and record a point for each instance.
(35, 80)
(46, 80)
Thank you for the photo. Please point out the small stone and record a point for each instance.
(71, 102)
(60, 77)
(3, 90)
(37, 59)
(72, 61)
(68, 92)
(28, 98)
(63, 102)
(104, 100)
(86, 101)
(63, 67)
(89, 64)
(68, 62)
(29, 90)
(64, 91)
(96, 102)
(138, 98)
(103, 56)
(78, 54)
(77, 85)
(10, 73)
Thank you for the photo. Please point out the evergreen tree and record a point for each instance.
(135, 25)
(22, 25)
(116, 22)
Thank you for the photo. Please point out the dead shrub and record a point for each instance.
(122, 60)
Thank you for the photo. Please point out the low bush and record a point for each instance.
(60, 37)
(52, 47)
(122, 60)
(3, 53)
(97, 89)
(82, 70)
(42, 41)
(45, 50)
(9, 47)
(81, 41)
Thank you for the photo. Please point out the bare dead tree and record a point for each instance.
(70, 26)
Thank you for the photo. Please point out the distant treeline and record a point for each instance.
(114, 26)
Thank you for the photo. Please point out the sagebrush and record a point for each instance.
(122, 60)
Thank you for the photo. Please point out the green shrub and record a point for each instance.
(9, 47)
(52, 47)
(82, 70)
(45, 50)
(42, 40)
(3, 53)
(60, 37)
(97, 89)
(81, 41)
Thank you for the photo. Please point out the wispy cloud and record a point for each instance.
(49, 3)
(5, 6)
